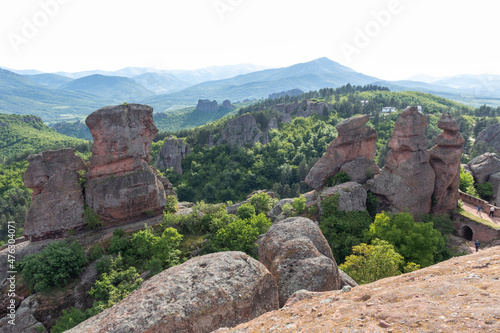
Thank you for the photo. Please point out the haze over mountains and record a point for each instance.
(60, 96)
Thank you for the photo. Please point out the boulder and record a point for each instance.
(203, 294)
(172, 153)
(242, 131)
(483, 166)
(407, 179)
(121, 186)
(276, 211)
(361, 169)
(227, 105)
(445, 160)
(57, 199)
(299, 257)
(490, 135)
(354, 140)
(352, 196)
(346, 280)
(494, 179)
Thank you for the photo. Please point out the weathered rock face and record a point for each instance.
(24, 320)
(120, 184)
(206, 106)
(361, 169)
(227, 105)
(352, 196)
(242, 131)
(407, 179)
(299, 257)
(354, 140)
(491, 135)
(172, 153)
(302, 109)
(483, 166)
(445, 160)
(216, 290)
(57, 200)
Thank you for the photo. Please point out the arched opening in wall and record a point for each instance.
(467, 233)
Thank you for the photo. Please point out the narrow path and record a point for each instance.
(484, 213)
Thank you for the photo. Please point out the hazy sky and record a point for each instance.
(390, 39)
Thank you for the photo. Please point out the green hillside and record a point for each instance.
(21, 134)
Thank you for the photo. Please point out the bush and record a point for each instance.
(369, 263)
(299, 204)
(54, 266)
(171, 205)
(119, 244)
(262, 202)
(340, 178)
(467, 183)
(342, 230)
(245, 211)
(69, 319)
(91, 218)
(96, 252)
(485, 190)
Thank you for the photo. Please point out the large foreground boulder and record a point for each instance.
(299, 257)
(445, 160)
(121, 186)
(203, 294)
(57, 199)
(483, 166)
(407, 179)
(354, 140)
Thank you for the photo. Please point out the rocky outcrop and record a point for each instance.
(206, 106)
(361, 169)
(483, 166)
(277, 209)
(352, 197)
(292, 92)
(57, 199)
(490, 135)
(203, 294)
(172, 153)
(299, 257)
(24, 320)
(121, 186)
(242, 131)
(445, 160)
(227, 105)
(302, 109)
(432, 299)
(407, 179)
(354, 140)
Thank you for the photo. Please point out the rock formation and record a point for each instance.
(242, 131)
(57, 199)
(292, 92)
(360, 169)
(227, 105)
(25, 321)
(216, 290)
(354, 140)
(352, 196)
(302, 109)
(407, 179)
(432, 299)
(121, 186)
(490, 135)
(299, 257)
(172, 153)
(483, 166)
(445, 160)
(206, 106)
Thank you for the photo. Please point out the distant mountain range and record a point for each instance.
(61, 96)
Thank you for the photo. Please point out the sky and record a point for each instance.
(388, 39)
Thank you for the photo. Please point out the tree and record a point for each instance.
(467, 183)
(416, 241)
(369, 263)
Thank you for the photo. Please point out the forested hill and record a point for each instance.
(224, 172)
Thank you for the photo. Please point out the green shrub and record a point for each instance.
(69, 319)
(288, 210)
(467, 183)
(340, 178)
(299, 204)
(166, 248)
(245, 211)
(91, 218)
(119, 243)
(54, 266)
(262, 202)
(171, 205)
(485, 190)
(96, 252)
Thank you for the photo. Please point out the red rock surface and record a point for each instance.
(57, 199)
(407, 179)
(121, 186)
(445, 160)
(458, 295)
(354, 140)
